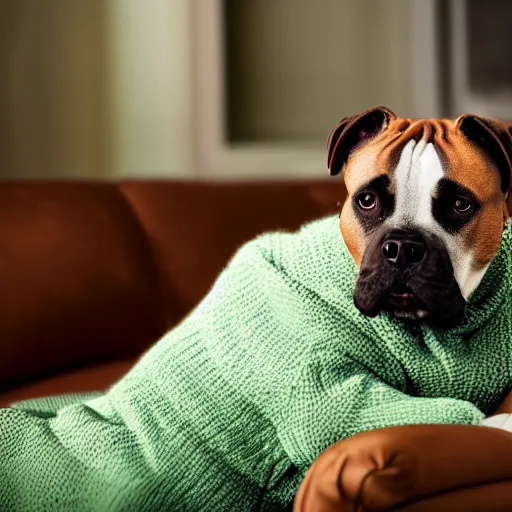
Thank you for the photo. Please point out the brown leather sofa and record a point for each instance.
(422, 468)
(94, 273)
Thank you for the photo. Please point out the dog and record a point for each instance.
(427, 203)
(305, 339)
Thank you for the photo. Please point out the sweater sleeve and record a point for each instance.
(329, 403)
(70, 460)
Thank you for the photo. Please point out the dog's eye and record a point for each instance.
(366, 200)
(462, 204)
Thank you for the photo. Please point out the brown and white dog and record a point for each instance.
(426, 207)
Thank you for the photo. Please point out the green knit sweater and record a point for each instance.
(227, 411)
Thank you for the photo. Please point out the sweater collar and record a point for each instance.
(492, 293)
(490, 296)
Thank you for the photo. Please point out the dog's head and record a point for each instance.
(425, 210)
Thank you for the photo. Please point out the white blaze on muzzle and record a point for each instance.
(416, 176)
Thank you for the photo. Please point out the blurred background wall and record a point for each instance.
(230, 89)
(95, 88)
(53, 94)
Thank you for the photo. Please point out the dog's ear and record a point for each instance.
(494, 137)
(350, 131)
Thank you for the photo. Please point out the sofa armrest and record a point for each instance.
(413, 469)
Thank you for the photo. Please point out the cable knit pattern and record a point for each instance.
(227, 411)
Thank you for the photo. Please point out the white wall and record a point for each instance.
(95, 88)
(52, 100)
(150, 88)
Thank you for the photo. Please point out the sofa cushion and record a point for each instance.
(79, 285)
(94, 378)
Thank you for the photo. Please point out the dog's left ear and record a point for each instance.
(494, 137)
(351, 131)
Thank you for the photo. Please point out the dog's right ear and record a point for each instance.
(350, 131)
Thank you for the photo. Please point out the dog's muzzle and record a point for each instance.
(408, 273)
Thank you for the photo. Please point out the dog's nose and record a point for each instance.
(403, 248)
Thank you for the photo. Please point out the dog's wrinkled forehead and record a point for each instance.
(416, 167)
(460, 148)
(417, 156)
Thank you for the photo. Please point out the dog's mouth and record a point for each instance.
(403, 303)
(416, 299)
(409, 290)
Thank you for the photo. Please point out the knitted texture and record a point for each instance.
(228, 410)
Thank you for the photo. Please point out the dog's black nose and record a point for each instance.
(403, 248)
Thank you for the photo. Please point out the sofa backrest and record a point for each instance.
(92, 271)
